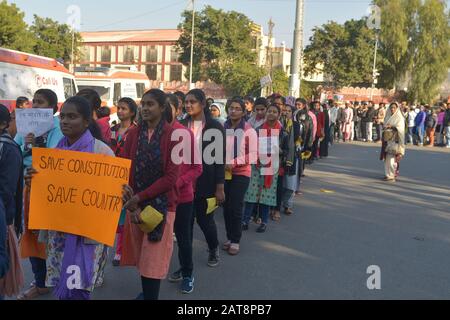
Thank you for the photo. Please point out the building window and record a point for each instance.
(151, 54)
(174, 54)
(85, 54)
(176, 72)
(152, 71)
(140, 89)
(106, 54)
(128, 54)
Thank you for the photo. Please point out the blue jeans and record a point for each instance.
(288, 198)
(263, 210)
(39, 267)
(420, 132)
(410, 135)
(447, 135)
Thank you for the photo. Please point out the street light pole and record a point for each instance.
(192, 45)
(72, 66)
(374, 70)
(295, 80)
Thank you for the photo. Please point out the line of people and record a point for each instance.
(247, 179)
(425, 125)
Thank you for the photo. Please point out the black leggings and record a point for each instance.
(150, 288)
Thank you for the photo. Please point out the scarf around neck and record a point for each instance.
(147, 170)
(76, 252)
(268, 179)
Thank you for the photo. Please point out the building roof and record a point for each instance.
(155, 35)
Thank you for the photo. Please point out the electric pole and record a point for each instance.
(192, 46)
(297, 54)
(269, 56)
(374, 72)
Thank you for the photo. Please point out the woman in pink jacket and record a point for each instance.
(190, 170)
(241, 150)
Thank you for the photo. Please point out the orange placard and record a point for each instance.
(78, 193)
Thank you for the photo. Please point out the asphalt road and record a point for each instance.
(324, 249)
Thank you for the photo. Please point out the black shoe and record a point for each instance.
(244, 227)
(176, 276)
(262, 228)
(213, 259)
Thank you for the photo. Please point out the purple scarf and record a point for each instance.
(76, 253)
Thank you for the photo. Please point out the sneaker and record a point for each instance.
(187, 286)
(244, 227)
(176, 276)
(262, 228)
(213, 259)
(116, 260)
(140, 296)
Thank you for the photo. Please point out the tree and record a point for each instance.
(280, 82)
(345, 51)
(54, 40)
(14, 33)
(415, 39)
(223, 49)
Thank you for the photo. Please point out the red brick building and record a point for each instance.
(151, 51)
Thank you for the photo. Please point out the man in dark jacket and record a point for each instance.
(370, 115)
(10, 187)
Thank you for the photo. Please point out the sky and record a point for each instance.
(166, 14)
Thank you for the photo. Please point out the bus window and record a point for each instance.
(69, 88)
(140, 89)
(103, 92)
(117, 93)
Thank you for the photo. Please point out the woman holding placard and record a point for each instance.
(29, 245)
(152, 181)
(68, 253)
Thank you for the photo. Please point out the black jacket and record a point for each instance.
(213, 174)
(11, 176)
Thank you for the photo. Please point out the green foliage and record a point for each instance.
(415, 40)
(45, 37)
(53, 39)
(346, 52)
(280, 82)
(14, 33)
(223, 49)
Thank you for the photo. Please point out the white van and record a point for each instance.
(112, 84)
(22, 74)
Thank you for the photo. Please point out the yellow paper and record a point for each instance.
(212, 205)
(228, 175)
(151, 218)
(306, 155)
(326, 191)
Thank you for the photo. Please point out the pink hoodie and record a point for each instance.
(188, 172)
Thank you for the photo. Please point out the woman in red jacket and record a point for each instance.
(153, 176)
(184, 218)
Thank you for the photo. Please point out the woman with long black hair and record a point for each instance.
(153, 178)
(63, 249)
(211, 183)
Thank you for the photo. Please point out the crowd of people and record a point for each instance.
(250, 181)
(425, 125)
